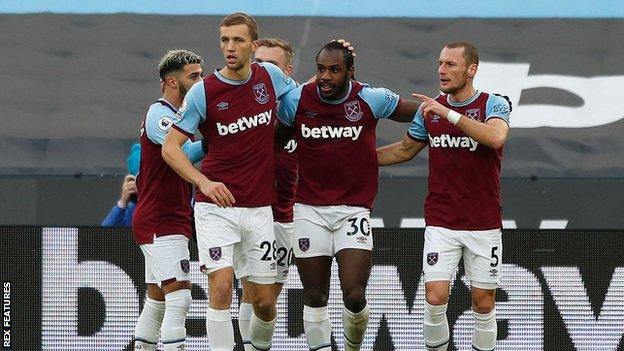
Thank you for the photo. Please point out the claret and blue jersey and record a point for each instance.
(464, 177)
(336, 142)
(164, 205)
(237, 118)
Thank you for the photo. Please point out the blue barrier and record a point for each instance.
(330, 8)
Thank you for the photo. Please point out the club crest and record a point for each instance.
(304, 244)
(353, 112)
(432, 258)
(474, 113)
(185, 266)
(215, 253)
(261, 93)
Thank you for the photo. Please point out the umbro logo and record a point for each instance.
(223, 106)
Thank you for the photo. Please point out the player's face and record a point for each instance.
(332, 75)
(237, 46)
(453, 70)
(275, 55)
(191, 74)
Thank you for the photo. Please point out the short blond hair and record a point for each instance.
(278, 43)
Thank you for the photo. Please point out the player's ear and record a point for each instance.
(288, 70)
(352, 72)
(172, 82)
(472, 70)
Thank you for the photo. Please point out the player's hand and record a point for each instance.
(128, 188)
(217, 192)
(430, 106)
(346, 45)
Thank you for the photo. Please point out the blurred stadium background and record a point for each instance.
(77, 77)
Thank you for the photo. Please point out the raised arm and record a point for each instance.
(493, 133)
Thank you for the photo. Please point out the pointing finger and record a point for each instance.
(421, 97)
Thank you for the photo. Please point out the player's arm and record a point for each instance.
(405, 111)
(387, 104)
(174, 156)
(412, 143)
(493, 133)
(158, 123)
(400, 151)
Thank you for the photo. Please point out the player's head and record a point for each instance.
(457, 66)
(238, 35)
(334, 69)
(277, 51)
(179, 70)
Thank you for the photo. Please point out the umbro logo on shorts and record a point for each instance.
(185, 266)
(215, 253)
(304, 244)
(432, 258)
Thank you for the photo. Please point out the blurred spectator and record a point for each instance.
(121, 214)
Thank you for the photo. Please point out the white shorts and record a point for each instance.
(482, 251)
(283, 253)
(325, 230)
(166, 259)
(238, 237)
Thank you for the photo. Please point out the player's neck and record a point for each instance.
(463, 94)
(240, 74)
(173, 97)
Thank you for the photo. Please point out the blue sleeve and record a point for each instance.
(193, 150)
(158, 121)
(382, 101)
(193, 109)
(417, 130)
(115, 217)
(127, 220)
(287, 107)
(497, 106)
(134, 159)
(281, 82)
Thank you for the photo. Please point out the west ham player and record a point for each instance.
(162, 219)
(280, 53)
(334, 120)
(465, 130)
(234, 108)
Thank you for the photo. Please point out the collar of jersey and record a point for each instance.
(336, 102)
(463, 103)
(231, 81)
(168, 104)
